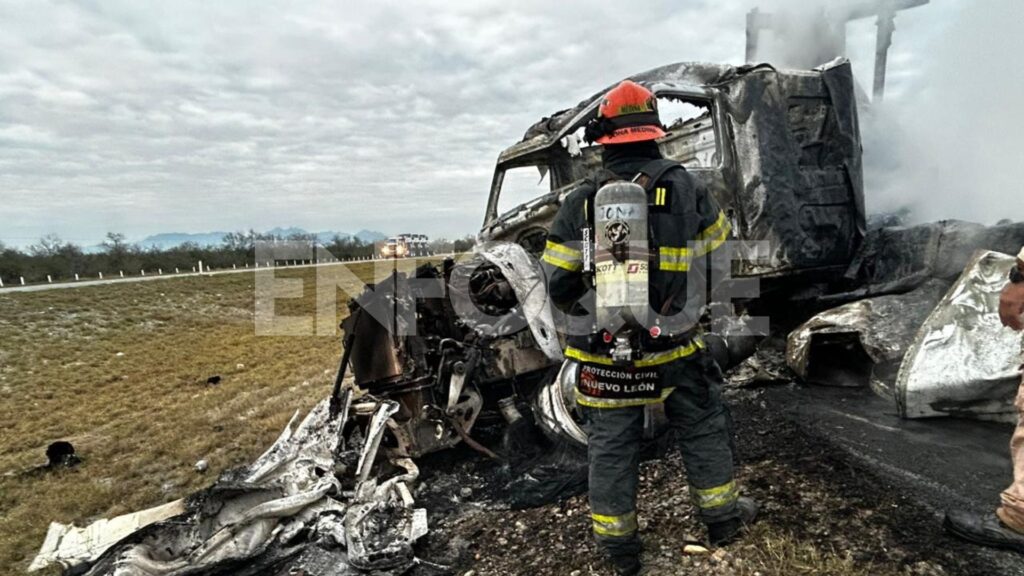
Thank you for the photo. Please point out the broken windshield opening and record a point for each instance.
(521, 185)
(691, 136)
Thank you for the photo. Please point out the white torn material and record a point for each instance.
(67, 545)
(258, 516)
(527, 279)
(963, 361)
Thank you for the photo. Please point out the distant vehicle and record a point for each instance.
(404, 246)
(392, 248)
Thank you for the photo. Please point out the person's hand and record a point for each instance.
(1011, 305)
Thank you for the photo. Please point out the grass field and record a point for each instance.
(120, 370)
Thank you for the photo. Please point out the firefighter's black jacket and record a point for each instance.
(686, 226)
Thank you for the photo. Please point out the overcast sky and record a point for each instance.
(146, 117)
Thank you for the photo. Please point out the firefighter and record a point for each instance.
(1005, 528)
(668, 357)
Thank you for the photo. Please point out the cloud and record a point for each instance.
(193, 116)
(196, 115)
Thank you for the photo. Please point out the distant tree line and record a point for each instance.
(62, 260)
(445, 246)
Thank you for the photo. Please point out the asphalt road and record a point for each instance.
(945, 463)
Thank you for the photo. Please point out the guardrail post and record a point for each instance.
(76, 279)
(200, 266)
(22, 280)
(48, 279)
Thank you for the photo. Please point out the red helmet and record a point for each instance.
(628, 113)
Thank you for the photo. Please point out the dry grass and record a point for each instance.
(120, 371)
(774, 551)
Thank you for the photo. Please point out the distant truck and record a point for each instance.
(403, 246)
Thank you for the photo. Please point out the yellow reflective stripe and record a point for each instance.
(673, 252)
(714, 229)
(716, 497)
(563, 249)
(674, 259)
(708, 246)
(583, 356)
(561, 263)
(674, 266)
(652, 359)
(623, 525)
(659, 196)
(667, 356)
(593, 402)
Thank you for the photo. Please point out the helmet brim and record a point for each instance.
(632, 134)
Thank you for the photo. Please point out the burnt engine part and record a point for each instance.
(445, 370)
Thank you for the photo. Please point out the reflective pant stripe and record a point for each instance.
(622, 525)
(716, 497)
(594, 402)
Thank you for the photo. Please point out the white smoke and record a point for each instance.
(946, 140)
(949, 145)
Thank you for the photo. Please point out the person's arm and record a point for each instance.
(1011, 299)
(563, 257)
(714, 232)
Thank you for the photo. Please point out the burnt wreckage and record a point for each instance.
(781, 152)
(908, 311)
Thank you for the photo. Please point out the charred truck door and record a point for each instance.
(799, 199)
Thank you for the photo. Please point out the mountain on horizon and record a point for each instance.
(168, 240)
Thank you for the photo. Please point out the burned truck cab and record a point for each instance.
(780, 150)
